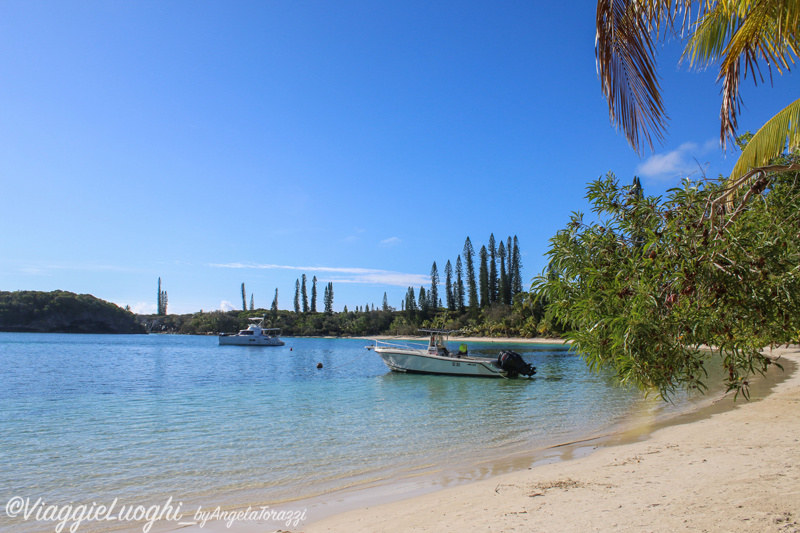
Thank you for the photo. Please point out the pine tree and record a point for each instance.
(448, 286)
(423, 300)
(483, 276)
(516, 259)
(509, 272)
(252, 303)
(502, 287)
(329, 298)
(433, 295)
(385, 305)
(314, 295)
(458, 291)
(275, 303)
(411, 300)
(304, 293)
(472, 286)
(510, 256)
(492, 269)
(244, 298)
(297, 296)
(164, 302)
(160, 301)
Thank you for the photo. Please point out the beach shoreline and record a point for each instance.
(732, 470)
(611, 481)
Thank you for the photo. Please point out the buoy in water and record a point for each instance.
(319, 365)
(290, 349)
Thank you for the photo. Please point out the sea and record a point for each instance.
(141, 419)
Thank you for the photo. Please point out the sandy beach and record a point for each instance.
(736, 470)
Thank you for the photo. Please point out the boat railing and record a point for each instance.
(404, 345)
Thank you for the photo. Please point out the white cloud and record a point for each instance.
(347, 275)
(142, 308)
(682, 161)
(391, 241)
(226, 306)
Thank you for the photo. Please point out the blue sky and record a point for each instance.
(215, 143)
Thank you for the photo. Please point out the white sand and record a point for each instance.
(738, 470)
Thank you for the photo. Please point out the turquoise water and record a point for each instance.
(88, 418)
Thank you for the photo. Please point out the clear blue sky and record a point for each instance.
(215, 143)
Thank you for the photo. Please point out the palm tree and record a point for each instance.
(739, 34)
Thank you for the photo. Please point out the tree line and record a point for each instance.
(498, 280)
(483, 301)
(301, 301)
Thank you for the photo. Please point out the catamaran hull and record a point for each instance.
(416, 363)
(237, 340)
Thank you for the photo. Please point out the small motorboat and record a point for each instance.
(436, 358)
(254, 335)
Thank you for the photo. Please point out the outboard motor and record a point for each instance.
(514, 364)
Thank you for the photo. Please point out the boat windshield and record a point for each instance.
(438, 340)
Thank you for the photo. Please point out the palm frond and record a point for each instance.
(627, 71)
(742, 34)
(769, 142)
(624, 50)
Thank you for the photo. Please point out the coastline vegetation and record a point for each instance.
(716, 262)
(524, 318)
(64, 312)
(652, 279)
(489, 304)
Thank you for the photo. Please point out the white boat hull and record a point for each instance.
(421, 362)
(249, 340)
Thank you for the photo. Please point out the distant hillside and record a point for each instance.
(63, 312)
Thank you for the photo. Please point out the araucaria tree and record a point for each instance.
(161, 304)
(448, 286)
(304, 293)
(483, 276)
(244, 298)
(516, 269)
(433, 295)
(423, 303)
(652, 280)
(314, 294)
(503, 288)
(252, 303)
(472, 287)
(492, 269)
(297, 296)
(328, 298)
(458, 290)
(274, 307)
(410, 302)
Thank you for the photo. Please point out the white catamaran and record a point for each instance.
(254, 335)
(436, 358)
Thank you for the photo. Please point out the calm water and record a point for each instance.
(94, 417)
